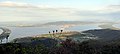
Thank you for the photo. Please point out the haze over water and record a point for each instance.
(18, 32)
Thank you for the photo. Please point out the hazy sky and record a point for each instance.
(59, 10)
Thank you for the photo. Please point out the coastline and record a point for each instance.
(108, 26)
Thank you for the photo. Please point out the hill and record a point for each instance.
(67, 22)
(105, 34)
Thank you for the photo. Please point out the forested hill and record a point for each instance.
(105, 34)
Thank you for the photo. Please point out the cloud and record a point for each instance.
(114, 6)
(111, 8)
(16, 4)
(24, 12)
(28, 12)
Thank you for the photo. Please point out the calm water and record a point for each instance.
(18, 32)
(28, 31)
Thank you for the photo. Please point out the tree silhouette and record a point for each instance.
(61, 31)
(56, 31)
(49, 32)
(53, 31)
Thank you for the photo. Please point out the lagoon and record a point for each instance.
(18, 32)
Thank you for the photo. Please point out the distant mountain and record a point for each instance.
(105, 34)
(39, 24)
(67, 22)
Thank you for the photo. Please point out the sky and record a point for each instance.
(59, 10)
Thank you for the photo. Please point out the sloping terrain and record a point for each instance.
(105, 34)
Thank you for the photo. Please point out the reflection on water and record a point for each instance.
(31, 31)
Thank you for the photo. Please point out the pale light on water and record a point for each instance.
(1, 31)
(18, 32)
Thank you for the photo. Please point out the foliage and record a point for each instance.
(65, 47)
(13, 48)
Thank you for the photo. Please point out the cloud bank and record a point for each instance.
(15, 11)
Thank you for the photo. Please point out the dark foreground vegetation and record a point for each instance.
(65, 47)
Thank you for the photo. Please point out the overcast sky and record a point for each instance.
(59, 10)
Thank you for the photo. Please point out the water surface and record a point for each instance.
(18, 32)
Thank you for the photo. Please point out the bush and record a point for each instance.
(65, 47)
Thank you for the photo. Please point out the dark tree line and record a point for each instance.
(65, 47)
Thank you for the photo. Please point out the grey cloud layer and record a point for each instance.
(23, 12)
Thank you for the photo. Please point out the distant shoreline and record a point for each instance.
(5, 33)
(108, 26)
